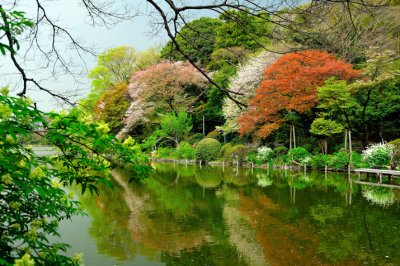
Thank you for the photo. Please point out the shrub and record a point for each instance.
(239, 153)
(265, 154)
(378, 155)
(185, 151)
(253, 157)
(281, 150)
(357, 160)
(320, 160)
(214, 135)
(164, 152)
(299, 155)
(208, 149)
(338, 160)
(226, 151)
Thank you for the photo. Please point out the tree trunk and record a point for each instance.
(326, 145)
(365, 137)
(350, 151)
(294, 137)
(204, 127)
(290, 138)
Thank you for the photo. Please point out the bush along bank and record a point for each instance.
(210, 151)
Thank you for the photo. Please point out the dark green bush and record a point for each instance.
(298, 154)
(281, 150)
(357, 161)
(320, 160)
(338, 160)
(208, 149)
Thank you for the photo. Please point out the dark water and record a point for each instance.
(184, 215)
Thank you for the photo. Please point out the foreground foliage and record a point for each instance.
(32, 198)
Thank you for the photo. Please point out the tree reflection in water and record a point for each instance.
(183, 215)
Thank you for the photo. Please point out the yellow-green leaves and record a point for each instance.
(7, 179)
(82, 153)
(25, 260)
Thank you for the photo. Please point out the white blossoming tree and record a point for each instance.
(246, 81)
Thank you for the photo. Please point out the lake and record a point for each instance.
(187, 215)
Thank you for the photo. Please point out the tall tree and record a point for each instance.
(115, 68)
(165, 87)
(346, 30)
(174, 126)
(337, 102)
(112, 105)
(243, 29)
(326, 128)
(196, 39)
(248, 77)
(381, 70)
(290, 85)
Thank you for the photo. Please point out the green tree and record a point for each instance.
(196, 39)
(242, 29)
(112, 105)
(378, 95)
(326, 128)
(347, 34)
(148, 58)
(211, 108)
(174, 126)
(337, 102)
(114, 66)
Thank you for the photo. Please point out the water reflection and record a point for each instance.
(379, 195)
(185, 215)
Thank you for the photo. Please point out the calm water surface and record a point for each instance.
(186, 215)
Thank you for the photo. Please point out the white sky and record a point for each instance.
(136, 33)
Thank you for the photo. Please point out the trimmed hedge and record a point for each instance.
(208, 149)
(225, 152)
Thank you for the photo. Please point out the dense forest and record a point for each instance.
(311, 85)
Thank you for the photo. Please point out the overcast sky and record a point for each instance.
(137, 33)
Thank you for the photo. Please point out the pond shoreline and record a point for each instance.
(247, 165)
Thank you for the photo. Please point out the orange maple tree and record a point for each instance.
(290, 85)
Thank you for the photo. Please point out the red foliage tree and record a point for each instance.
(290, 84)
